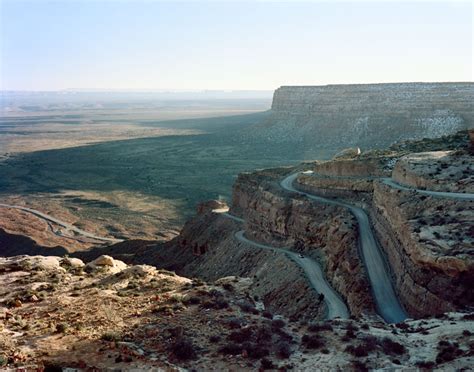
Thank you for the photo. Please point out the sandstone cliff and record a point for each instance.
(429, 245)
(366, 115)
(207, 248)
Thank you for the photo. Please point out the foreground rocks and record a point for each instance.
(53, 314)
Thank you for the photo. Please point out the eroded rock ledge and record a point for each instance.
(428, 240)
(429, 247)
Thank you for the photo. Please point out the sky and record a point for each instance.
(251, 45)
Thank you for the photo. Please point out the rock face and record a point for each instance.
(359, 167)
(429, 246)
(207, 248)
(370, 116)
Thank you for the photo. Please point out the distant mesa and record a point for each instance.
(366, 115)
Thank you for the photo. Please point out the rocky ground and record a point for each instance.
(450, 171)
(57, 312)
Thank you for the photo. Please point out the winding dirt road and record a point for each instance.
(439, 194)
(336, 308)
(387, 302)
(64, 224)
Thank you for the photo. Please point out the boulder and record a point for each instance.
(75, 263)
(106, 262)
(210, 205)
(103, 260)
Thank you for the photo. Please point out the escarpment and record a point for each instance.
(368, 115)
(207, 247)
(427, 239)
(429, 246)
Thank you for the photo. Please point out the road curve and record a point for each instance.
(440, 194)
(336, 308)
(66, 225)
(386, 300)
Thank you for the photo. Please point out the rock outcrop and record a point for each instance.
(429, 246)
(437, 171)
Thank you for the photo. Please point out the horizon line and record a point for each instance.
(224, 90)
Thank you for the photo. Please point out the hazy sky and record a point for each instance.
(48, 45)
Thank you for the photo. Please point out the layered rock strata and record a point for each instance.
(429, 246)
(367, 115)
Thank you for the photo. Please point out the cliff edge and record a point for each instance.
(366, 115)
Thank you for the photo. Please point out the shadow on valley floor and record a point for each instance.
(14, 245)
(183, 170)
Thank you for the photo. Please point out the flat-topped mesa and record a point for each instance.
(392, 97)
(368, 115)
